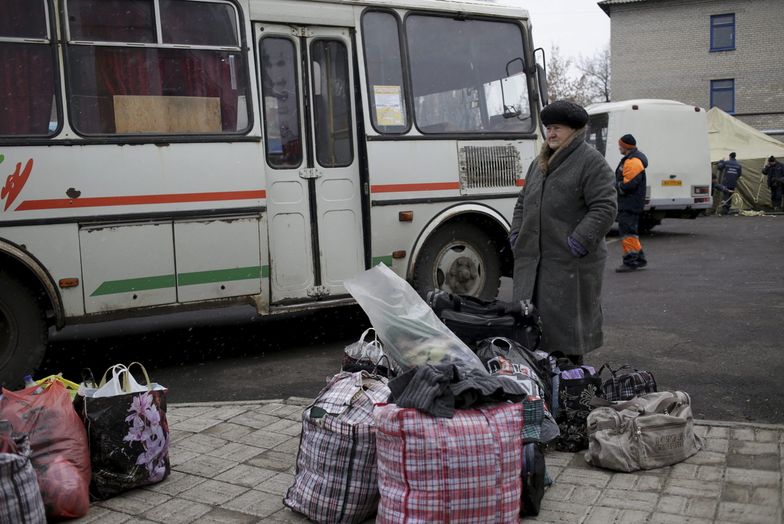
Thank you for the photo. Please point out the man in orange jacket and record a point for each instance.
(630, 184)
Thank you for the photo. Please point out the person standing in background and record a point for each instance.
(630, 182)
(562, 215)
(732, 171)
(775, 172)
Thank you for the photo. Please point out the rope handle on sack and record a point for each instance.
(124, 371)
(144, 371)
(113, 368)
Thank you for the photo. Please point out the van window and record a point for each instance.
(596, 132)
(467, 75)
(161, 86)
(27, 70)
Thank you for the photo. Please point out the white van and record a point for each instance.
(674, 137)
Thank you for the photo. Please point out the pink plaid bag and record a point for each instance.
(460, 470)
(335, 480)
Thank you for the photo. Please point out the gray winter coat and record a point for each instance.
(569, 192)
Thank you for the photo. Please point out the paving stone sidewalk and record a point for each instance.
(233, 461)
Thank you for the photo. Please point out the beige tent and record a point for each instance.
(727, 134)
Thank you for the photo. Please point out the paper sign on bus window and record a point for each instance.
(389, 105)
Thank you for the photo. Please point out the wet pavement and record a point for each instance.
(232, 462)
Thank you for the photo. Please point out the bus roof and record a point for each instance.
(456, 6)
(623, 105)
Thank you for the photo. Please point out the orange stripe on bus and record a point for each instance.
(176, 198)
(395, 188)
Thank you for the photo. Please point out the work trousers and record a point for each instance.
(628, 228)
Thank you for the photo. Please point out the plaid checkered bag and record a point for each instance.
(533, 415)
(20, 496)
(463, 470)
(335, 479)
(626, 383)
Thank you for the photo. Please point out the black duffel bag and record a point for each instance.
(473, 319)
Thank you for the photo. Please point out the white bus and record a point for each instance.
(674, 137)
(158, 155)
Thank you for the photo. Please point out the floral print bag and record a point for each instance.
(128, 435)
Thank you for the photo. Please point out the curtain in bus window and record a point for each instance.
(26, 89)
(384, 72)
(331, 103)
(464, 72)
(192, 23)
(280, 94)
(204, 81)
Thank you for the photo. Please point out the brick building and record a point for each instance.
(725, 53)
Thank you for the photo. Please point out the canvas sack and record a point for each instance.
(335, 480)
(463, 470)
(647, 432)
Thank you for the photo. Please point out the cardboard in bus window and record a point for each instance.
(166, 114)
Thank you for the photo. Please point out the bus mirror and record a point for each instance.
(541, 78)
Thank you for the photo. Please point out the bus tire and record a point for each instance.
(23, 331)
(459, 258)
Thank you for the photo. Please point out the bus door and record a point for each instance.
(313, 185)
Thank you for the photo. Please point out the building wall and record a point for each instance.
(661, 49)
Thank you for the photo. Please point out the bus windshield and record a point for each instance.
(461, 79)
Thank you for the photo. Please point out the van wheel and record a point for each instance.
(647, 223)
(459, 258)
(23, 331)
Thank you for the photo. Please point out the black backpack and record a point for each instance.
(539, 361)
(473, 319)
(534, 479)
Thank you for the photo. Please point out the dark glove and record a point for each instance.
(576, 248)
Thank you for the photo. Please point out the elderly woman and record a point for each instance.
(564, 211)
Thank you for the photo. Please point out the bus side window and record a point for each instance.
(388, 108)
(156, 89)
(27, 70)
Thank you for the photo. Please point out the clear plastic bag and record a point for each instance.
(411, 332)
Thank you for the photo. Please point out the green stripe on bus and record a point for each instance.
(218, 275)
(186, 279)
(134, 284)
(387, 260)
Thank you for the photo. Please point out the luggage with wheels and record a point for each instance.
(473, 319)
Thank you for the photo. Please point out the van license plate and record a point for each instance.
(672, 182)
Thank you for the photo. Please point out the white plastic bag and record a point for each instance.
(121, 382)
(364, 350)
(412, 334)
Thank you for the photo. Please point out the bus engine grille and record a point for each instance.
(489, 166)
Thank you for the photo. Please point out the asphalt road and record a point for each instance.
(706, 317)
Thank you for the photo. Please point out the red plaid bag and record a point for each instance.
(335, 480)
(460, 470)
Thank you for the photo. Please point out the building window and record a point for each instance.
(722, 34)
(722, 95)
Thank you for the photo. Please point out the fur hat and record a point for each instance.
(565, 113)
(627, 142)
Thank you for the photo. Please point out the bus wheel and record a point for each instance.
(23, 331)
(459, 258)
